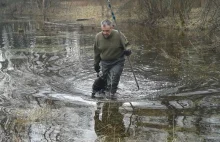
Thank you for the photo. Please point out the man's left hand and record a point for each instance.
(127, 52)
(97, 67)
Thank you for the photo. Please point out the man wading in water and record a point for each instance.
(109, 53)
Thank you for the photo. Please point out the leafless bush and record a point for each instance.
(150, 11)
(211, 16)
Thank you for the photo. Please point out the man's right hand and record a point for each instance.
(127, 52)
(97, 68)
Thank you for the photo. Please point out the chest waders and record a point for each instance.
(112, 71)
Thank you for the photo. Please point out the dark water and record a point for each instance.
(47, 73)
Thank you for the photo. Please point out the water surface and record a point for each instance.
(46, 74)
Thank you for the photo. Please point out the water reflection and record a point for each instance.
(109, 124)
(47, 120)
(170, 121)
(72, 47)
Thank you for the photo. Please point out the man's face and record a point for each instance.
(106, 30)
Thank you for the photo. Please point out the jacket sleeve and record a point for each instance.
(97, 52)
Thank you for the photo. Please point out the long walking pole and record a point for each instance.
(113, 16)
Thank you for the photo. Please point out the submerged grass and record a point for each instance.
(27, 117)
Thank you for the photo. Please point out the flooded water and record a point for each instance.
(46, 74)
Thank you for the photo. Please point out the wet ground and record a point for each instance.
(47, 73)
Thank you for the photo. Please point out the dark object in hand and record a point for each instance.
(127, 52)
(97, 68)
